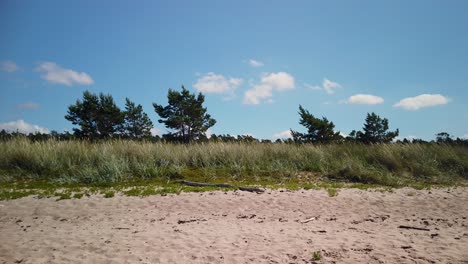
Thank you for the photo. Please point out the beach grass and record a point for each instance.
(119, 164)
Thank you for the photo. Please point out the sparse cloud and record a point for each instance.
(8, 66)
(217, 84)
(28, 106)
(465, 136)
(312, 87)
(327, 85)
(422, 101)
(255, 63)
(280, 81)
(282, 135)
(54, 73)
(257, 93)
(22, 127)
(330, 86)
(367, 99)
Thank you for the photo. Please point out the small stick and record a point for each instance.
(308, 220)
(415, 228)
(199, 184)
(249, 189)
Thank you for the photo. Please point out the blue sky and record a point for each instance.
(255, 61)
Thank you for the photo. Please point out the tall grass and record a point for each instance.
(64, 162)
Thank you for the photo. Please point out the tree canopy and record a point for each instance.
(375, 130)
(184, 115)
(318, 130)
(137, 123)
(96, 115)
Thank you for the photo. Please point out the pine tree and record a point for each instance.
(375, 130)
(96, 116)
(137, 123)
(185, 115)
(318, 130)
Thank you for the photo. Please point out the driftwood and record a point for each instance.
(250, 189)
(308, 220)
(200, 184)
(222, 185)
(415, 228)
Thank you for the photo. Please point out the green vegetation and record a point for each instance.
(332, 192)
(141, 168)
(318, 130)
(185, 115)
(77, 195)
(109, 194)
(96, 116)
(316, 256)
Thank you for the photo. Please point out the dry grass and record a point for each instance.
(111, 162)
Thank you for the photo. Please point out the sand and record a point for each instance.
(239, 227)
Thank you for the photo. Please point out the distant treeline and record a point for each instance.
(97, 117)
(441, 138)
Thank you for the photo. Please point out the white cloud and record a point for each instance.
(28, 105)
(255, 63)
(54, 73)
(327, 85)
(312, 87)
(365, 99)
(465, 136)
(8, 66)
(22, 127)
(217, 84)
(280, 81)
(258, 92)
(155, 131)
(344, 135)
(421, 101)
(283, 134)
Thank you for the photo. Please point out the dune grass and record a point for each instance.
(52, 164)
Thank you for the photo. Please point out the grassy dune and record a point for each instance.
(113, 162)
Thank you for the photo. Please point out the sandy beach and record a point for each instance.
(356, 226)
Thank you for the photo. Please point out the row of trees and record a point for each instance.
(98, 117)
(375, 130)
(5, 135)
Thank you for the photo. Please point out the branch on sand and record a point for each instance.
(415, 228)
(222, 185)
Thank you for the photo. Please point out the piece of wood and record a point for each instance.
(250, 189)
(415, 228)
(221, 185)
(308, 220)
(200, 184)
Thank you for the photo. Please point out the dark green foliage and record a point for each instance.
(318, 130)
(96, 116)
(137, 123)
(185, 115)
(375, 130)
(444, 137)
